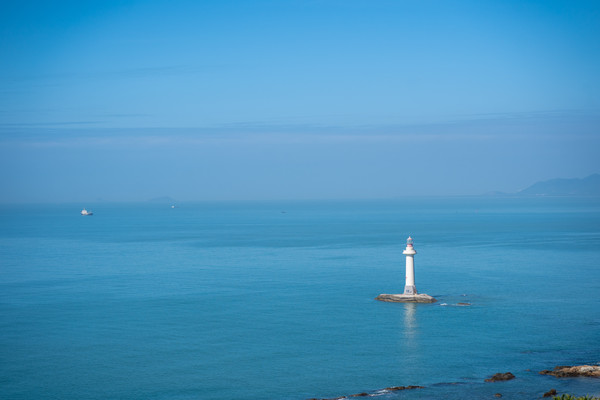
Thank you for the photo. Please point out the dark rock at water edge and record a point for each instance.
(550, 393)
(333, 398)
(395, 388)
(365, 394)
(501, 376)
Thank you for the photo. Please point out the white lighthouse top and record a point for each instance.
(410, 250)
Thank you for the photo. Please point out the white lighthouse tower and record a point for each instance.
(409, 287)
(410, 294)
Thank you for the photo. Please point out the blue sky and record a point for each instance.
(199, 100)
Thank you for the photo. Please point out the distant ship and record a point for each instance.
(86, 212)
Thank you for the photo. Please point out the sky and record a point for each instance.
(271, 100)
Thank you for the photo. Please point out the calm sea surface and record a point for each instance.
(276, 300)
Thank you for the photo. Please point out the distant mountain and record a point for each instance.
(589, 186)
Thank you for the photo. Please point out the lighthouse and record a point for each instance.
(410, 294)
(409, 286)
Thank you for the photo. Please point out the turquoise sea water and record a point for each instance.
(276, 300)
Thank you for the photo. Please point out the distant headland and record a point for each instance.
(588, 186)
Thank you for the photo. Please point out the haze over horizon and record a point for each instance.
(235, 100)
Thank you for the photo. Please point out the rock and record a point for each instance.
(365, 394)
(463, 304)
(498, 395)
(394, 388)
(566, 371)
(550, 393)
(506, 376)
(406, 298)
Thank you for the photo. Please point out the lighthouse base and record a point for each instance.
(406, 298)
(410, 290)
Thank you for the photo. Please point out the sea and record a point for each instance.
(276, 300)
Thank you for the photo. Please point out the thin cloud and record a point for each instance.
(138, 72)
(44, 124)
(477, 127)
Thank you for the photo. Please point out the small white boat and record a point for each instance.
(86, 212)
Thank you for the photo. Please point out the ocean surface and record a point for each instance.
(275, 300)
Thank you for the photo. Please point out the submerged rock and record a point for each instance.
(506, 376)
(549, 393)
(395, 388)
(567, 371)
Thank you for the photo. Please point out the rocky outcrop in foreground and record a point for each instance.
(567, 371)
(506, 376)
(406, 298)
(563, 371)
